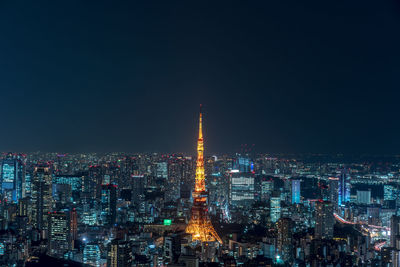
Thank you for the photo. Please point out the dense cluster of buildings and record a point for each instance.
(132, 210)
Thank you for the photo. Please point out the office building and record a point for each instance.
(59, 238)
(41, 198)
(295, 191)
(324, 220)
(364, 197)
(275, 208)
(92, 254)
(344, 187)
(108, 204)
(284, 239)
(241, 189)
(12, 178)
(119, 254)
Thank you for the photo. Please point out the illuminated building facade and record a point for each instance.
(92, 254)
(267, 186)
(109, 204)
(162, 170)
(59, 233)
(74, 181)
(241, 189)
(295, 191)
(243, 164)
(275, 208)
(200, 226)
(41, 197)
(324, 220)
(344, 187)
(390, 192)
(119, 254)
(12, 178)
(284, 239)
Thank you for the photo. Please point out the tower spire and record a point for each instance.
(200, 224)
(200, 123)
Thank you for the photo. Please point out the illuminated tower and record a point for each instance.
(200, 226)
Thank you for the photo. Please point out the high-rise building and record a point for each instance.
(324, 220)
(344, 187)
(59, 238)
(174, 179)
(162, 170)
(92, 254)
(334, 191)
(12, 178)
(242, 164)
(74, 181)
(109, 204)
(138, 183)
(200, 226)
(172, 248)
(284, 239)
(394, 230)
(241, 187)
(364, 197)
(295, 191)
(275, 208)
(73, 225)
(23, 207)
(41, 197)
(267, 186)
(119, 254)
(28, 183)
(389, 192)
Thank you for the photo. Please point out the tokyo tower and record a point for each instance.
(200, 226)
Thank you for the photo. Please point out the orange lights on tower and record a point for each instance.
(200, 226)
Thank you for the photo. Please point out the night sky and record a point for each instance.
(287, 76)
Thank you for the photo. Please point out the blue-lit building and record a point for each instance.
(344, 187)
(243, 164)
(92, 254)
(74, 181)
(295, 191)
(12, 178)
(390, 192)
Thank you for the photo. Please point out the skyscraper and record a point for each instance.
(241, 189)
(119, 254)
(394, 230)
(200, 226)
(73, 225)
(92, 254)
(162, 170)
(324, 220)
(59, 238)
(137, 183)
(334, 191)
(295, 191)
(284, 240)
(41, 197)
(344, 187)
(12, 178)
(108, 204)
(275, 208)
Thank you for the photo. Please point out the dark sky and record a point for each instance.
(287, 76)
